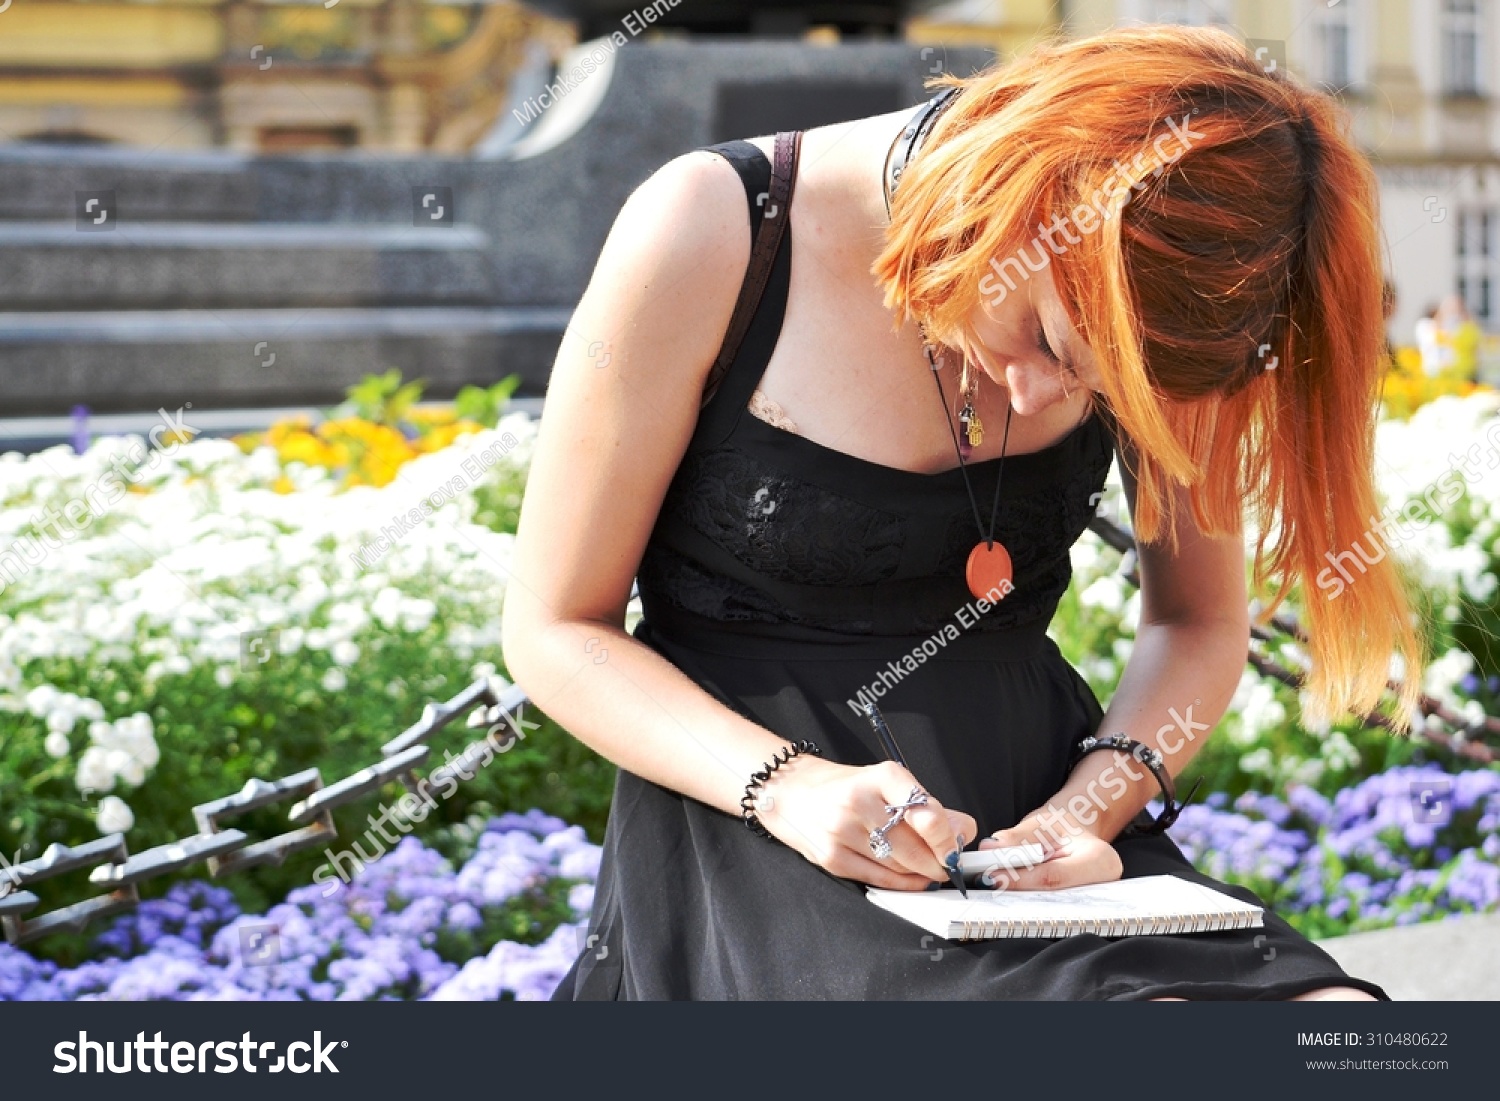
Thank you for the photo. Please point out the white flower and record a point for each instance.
(94, 772)
(1257, 760)
(334, 680)
(114, 815)
(1108, 593)
(1261, 710)
(40, 699)
(1338, 752)
(417, 614)
(1308, 772)
(127, 768)
(1098, 670)
(123, 750)
(224, 676)
(136, 736)
(1443, 675)
(56, 744)
(386, 607)
(61, 720)
(344, 652)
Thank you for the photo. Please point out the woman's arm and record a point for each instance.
(622, 403)
(1190, 650)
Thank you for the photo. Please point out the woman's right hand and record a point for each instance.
(825, 811)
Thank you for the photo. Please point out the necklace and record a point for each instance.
(988, 571)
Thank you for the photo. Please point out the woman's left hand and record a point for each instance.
(1078, 857)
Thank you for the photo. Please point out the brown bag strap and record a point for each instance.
(762, 255)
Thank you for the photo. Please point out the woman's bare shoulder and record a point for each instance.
(694, 206)
(674, 261)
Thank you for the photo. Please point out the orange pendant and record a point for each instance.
(988, 572)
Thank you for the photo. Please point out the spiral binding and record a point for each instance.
(1107, 927)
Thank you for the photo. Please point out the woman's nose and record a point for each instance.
(1032, 390)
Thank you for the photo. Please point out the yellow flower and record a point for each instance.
(1407, 386)
(304, 448)
(441, 437)
(355, 451)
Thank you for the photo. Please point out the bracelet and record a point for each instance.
(758, 778)
(1152, 760)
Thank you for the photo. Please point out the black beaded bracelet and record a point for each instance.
(759, 777)
(1152, 760)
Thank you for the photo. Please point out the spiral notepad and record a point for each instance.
(1141, 906)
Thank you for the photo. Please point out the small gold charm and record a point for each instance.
(976, 430)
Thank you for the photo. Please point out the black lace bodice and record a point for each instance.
(741, 539)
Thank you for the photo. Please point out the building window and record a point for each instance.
(1193, 13)
(1462, 37)
(1477, 252)
(1333, 45)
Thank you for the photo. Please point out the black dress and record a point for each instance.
(783, 577)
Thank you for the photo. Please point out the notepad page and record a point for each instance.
(1138, 901)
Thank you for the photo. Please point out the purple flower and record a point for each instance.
(374, 938)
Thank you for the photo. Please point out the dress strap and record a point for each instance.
(752, 330)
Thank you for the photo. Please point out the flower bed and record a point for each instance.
(505, 924)
(205, 629)
(1405, 845)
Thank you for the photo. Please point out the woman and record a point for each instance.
(802, 539)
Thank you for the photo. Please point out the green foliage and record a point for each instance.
(381, 399)
(484, 405)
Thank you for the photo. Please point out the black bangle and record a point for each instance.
(759, 777)
(1152, 760)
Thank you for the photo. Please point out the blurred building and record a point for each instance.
(264, 75)
(459, 164)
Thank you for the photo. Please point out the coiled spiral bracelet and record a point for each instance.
(759, 777)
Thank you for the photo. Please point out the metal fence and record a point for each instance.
(226, 849)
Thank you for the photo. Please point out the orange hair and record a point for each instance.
(1256, 246)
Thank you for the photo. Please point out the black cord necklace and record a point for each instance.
(988, 571)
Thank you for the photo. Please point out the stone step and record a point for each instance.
(58, 266)
(115, 361)
(40, 182)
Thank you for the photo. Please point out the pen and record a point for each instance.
(893, 751)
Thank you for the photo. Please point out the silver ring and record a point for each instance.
(878, 843)
(917, 798)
